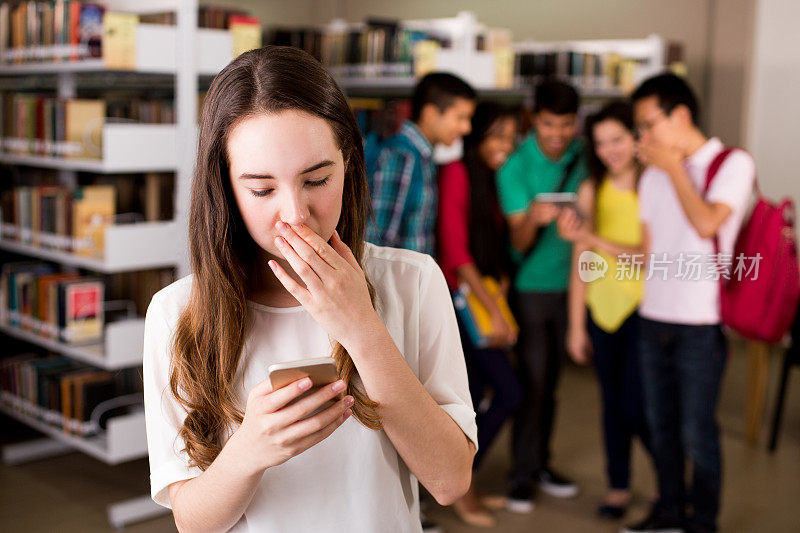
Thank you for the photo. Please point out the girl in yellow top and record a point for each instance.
(608, 229)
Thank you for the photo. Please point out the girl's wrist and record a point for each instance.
(239, 453)
(370, 335)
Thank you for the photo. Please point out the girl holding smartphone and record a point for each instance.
(603, 323)
(280, 272)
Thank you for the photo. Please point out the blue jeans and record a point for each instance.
(682, 369)
(489, 368)
(616, 358)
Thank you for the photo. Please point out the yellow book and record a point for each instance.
(119, 40)
(84, 128)
(93, 209)
(246, 33)
(425, 53)
(476, 317)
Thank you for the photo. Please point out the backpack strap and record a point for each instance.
(562, 184)
(714, 167)
(711, 173)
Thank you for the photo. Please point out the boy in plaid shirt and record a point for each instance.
(403, 183)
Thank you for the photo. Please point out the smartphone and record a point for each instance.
(561, 199)
(321, 370)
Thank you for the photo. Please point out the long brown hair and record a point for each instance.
(209, 337)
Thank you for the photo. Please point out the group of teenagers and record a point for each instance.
(302, 246)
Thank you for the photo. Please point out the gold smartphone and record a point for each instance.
(321, 370)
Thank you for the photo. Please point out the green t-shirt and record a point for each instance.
(527, 173)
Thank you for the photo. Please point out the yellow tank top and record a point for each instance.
(613, 298)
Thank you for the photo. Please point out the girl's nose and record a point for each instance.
(294, 210)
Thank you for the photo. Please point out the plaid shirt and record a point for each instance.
(404, 193)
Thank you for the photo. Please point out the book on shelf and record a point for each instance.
(603, 70)
(80, 310)
(381, 117)
(93, 210)
(59, 30)
(62, 393)
(62, 306)
(47, 126)
(75, 220)
(119, 40)
(246, 33)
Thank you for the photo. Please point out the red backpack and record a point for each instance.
(761, 307)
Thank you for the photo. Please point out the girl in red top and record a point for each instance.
(473, 243)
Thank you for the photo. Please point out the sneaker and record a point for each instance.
(555, 485)
(428, 525)
(655, 523)
(520, 500)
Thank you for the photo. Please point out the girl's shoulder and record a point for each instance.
(398, 272)
(172, 299)
(394, 262)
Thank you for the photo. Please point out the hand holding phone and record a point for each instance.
(281, 422)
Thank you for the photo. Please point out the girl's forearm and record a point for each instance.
(217, 498)
(431, 444)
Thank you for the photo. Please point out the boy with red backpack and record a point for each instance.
(689, 233)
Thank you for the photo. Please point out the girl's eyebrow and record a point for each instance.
(312, 168)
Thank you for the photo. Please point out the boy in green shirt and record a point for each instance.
(550, 160)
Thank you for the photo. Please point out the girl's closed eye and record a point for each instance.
(260, 193)
(318, 183)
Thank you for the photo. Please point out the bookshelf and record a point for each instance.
(137, 246)
(157, 141)
(182, 52)
(122, 441)
(121, 346)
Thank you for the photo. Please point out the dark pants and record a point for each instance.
(682, 368)
(490, 369)
(542, 321)
(616, 358)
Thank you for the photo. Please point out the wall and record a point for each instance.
(730, 57)
(774, 108)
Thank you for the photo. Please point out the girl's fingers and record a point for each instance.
(308, 441)
(344, 251)
(316, 255)
(298, 264)
(280, 397)
(317, 422)
(303, 408)
(299, 292)
(319, 245)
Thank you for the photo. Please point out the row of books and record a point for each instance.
(44, 125)
(59, 30)
(213, 17)
(58, 217)
(379, 116)
(66, 395)
(59, 305)
(383, 44)
(590, 71)
(72, 30)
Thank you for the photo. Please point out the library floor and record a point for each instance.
(761, 490)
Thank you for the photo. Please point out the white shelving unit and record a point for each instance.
(155, 151)
(187, 52)
(649, 52)
(128, 247)
(121, 346)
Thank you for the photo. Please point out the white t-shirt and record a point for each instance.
(354, 480)
(672, 293)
